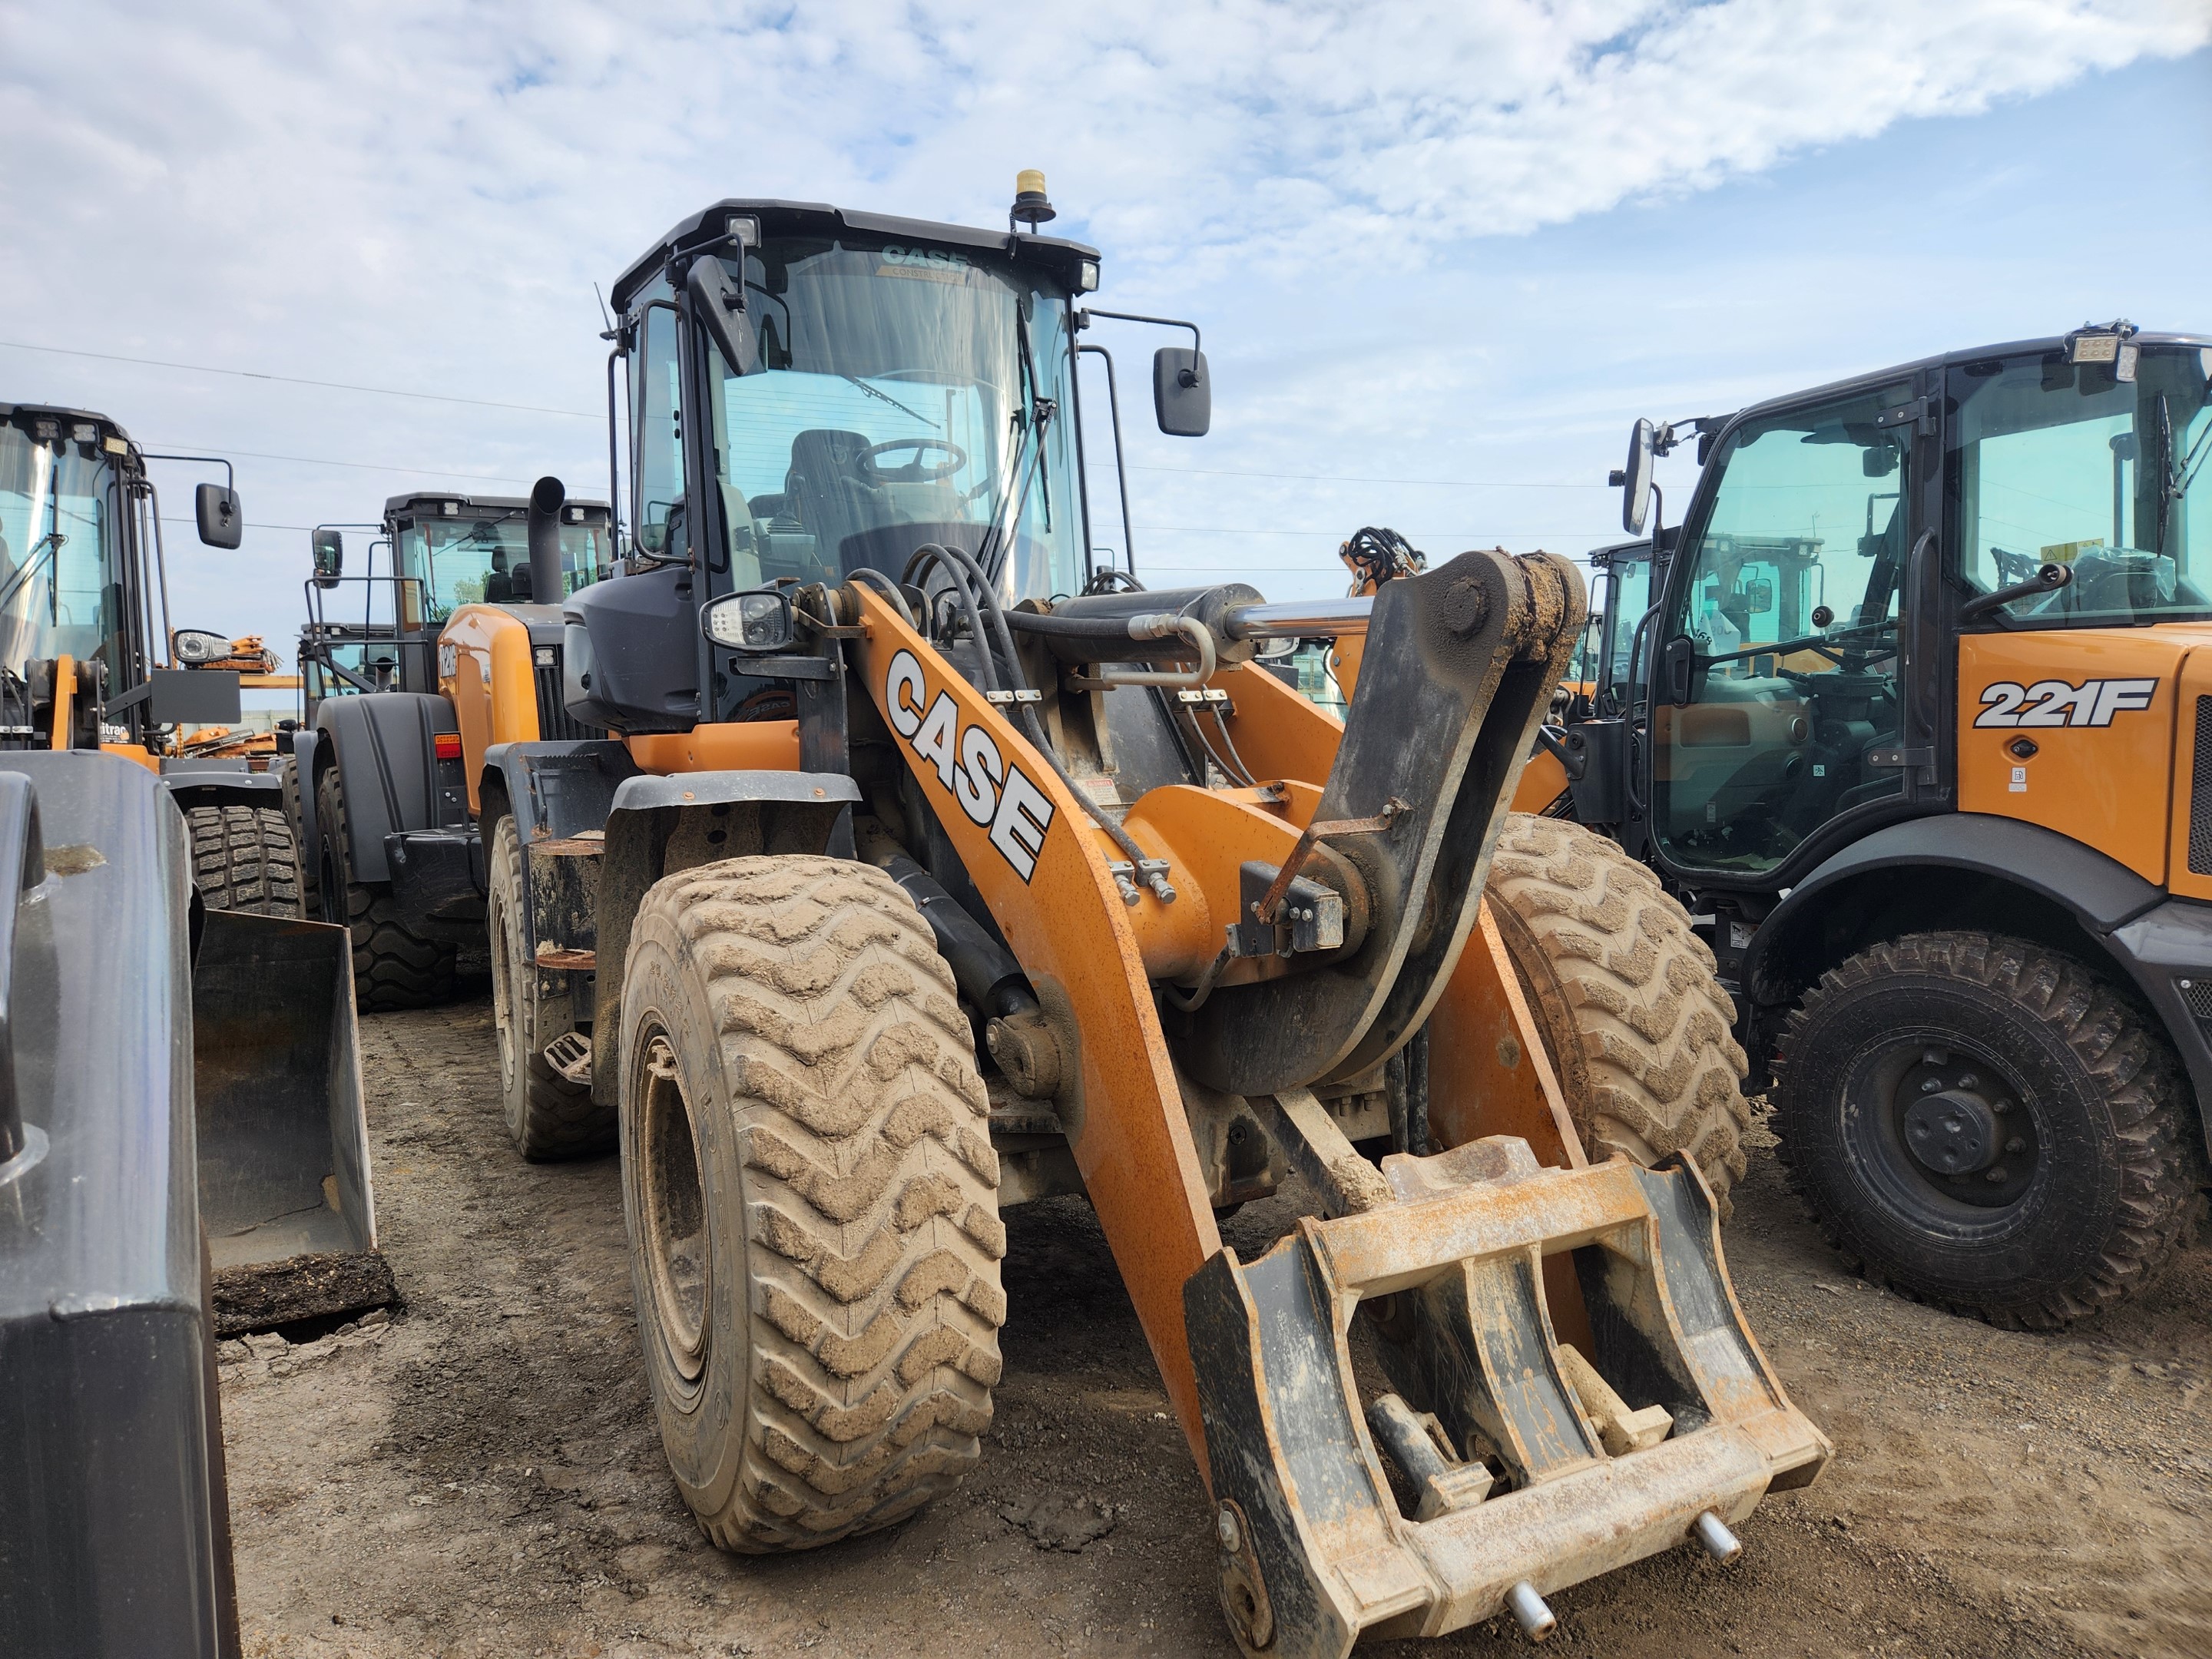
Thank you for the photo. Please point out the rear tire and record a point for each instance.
(811, 1198)
(1976, 1122)
(547, 1116)
(1623, 993)
(245, 858)
(393, 967)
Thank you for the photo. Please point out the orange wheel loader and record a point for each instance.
(927, 869)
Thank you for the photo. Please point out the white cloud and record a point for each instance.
(422, 195)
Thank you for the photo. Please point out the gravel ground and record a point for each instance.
(480, 1474)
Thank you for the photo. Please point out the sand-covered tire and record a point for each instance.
(1983, 1124)
(244, 858)
(393, 966)
(1632, 1019)
(547, 1116)
(811, 1198)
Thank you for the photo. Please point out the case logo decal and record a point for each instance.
(992, 794)
(2055, 702)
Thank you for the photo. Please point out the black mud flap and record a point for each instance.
(1535, 1465)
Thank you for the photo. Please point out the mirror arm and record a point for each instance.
(1121, 471)
(1196, 344)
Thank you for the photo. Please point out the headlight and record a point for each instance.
(193, 646)
(758, 621)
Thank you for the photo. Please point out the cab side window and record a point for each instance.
(657, 417)
(1790, 615)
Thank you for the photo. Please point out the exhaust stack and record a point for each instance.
(547, 497)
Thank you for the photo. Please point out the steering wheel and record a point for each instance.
(915, 470)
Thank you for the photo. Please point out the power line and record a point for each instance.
(358, 466)
(1338, 478)
(294, 379)
(166, 520)
(1331, 535)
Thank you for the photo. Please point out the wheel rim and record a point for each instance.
(1942, 1132)
(678, 1263)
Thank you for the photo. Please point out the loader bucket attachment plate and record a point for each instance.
(283, 1143)
(1316, 1548)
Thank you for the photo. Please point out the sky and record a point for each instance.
(1443, 254)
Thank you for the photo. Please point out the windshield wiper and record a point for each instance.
(934, 426)
(49, 544)
(1030, 420)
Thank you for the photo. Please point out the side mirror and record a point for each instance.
(718, 303)
(222, 520)
(758, 620)
(1182, 394)
(329, 557)
(1635, 478)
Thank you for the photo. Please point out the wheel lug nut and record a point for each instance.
(2015, 1144)
(2000, 1107)
(1967, 1080)
(1996, 1177)
(1930, 1085)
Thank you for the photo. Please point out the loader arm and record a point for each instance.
(1565, 1335)
(1041, 868)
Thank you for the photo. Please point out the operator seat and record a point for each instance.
(825, 485)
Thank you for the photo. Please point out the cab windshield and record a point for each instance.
(474, 561)
(57, 588)
(2058, 463)
(907, 394)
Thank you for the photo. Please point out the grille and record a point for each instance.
(2200, 793)
(555, 723)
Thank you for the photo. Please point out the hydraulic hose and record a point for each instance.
(962, 565)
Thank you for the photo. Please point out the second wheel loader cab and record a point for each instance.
(1925, 749)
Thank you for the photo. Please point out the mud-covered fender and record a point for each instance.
(658, 825)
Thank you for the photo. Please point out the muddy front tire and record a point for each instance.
(393, 966)
(547, 1116)
(811, 1198)
(1623, 993)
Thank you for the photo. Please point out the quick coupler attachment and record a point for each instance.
(1525, 1461)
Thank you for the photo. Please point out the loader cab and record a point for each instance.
(67, 534)
(897, 384)
(81, 578)
(1807, 678)
(429, 554)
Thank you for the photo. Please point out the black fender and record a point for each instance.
(2161, 945)
(555, 792)
(383, 745)
(656, 825)
(556, 789)
(220, 783)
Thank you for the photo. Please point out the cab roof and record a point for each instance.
(1940, 360)
(709, 225)
(431, 503)
(10, 414)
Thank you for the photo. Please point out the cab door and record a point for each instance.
(1787, 689)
